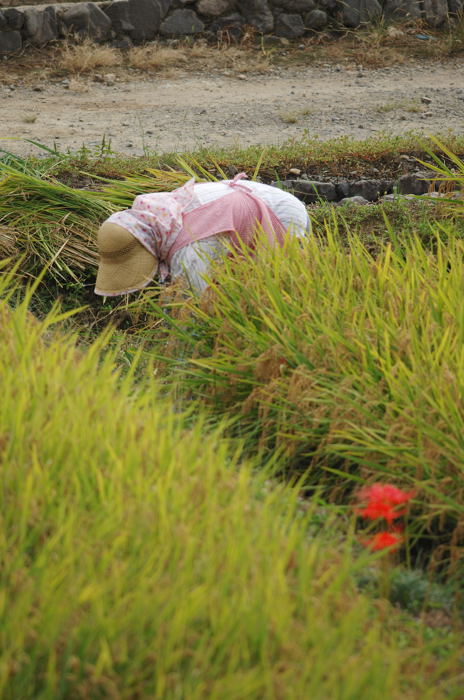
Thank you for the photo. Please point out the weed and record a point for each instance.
(77, 85)
(157, 56)
(85, 56)
(289, 117)
(378, 156)
(406, 105)
(294, 117)
(154, 56)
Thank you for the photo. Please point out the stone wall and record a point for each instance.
(127, 22)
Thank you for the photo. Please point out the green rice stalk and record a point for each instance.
(121, 193)
(349, 363)
(446, 174)
(142, 556)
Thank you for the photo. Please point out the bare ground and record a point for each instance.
(221, 108)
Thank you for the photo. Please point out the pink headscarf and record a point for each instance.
(155, 220)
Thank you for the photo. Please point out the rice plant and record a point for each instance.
(148, 550)
(142, 556)
(450, 173)
(350, 364)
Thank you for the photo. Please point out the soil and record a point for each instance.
(221, 108)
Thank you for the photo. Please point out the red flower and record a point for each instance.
(385, 492)
(384, 540)
(382, 501)
(377, 509)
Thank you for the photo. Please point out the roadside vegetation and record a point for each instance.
(382, 155)
(374, 46)
(181, 477)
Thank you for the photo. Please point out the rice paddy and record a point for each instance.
(178, 497)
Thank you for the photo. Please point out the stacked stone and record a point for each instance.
(134, 21)
(343, 191)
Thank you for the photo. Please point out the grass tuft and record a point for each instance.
(85, 56)
(44, 220)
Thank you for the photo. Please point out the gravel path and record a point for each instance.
(158, 114)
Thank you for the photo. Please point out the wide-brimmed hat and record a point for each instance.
(125, 264)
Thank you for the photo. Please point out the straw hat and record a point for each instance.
(125, 265)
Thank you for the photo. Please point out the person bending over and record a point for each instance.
(181, 232)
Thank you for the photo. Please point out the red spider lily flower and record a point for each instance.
(382, 501)
(377, 509)
(384, 540)
(386, 493)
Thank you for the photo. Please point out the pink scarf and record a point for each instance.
(155, 220)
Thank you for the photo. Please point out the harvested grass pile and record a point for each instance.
(44, 220)
(141, 557)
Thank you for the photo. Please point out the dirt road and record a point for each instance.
(193, 110)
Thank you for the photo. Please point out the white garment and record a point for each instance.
(193, 260)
